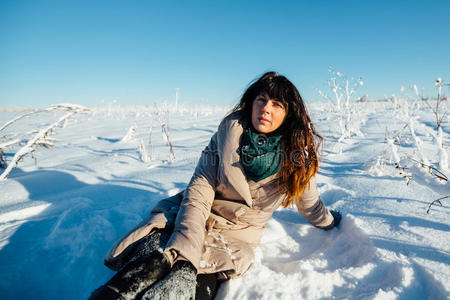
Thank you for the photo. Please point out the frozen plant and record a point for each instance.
(162, 116)
(417, 141)
(347, 116)
(11, 143)
(166, 134)
(131, 133)
(438, 201)
(438, 134)
(415, 166)
(404, 113)
(20, 117)
(343, 89)
(439, 116)
(145, 155)
(42, 138)
(61, 106)
(150, 146)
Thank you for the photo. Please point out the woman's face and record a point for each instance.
(267, 114)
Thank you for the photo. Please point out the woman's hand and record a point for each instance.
(337, 217)
(336, 220)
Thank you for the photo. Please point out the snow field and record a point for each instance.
(62, 211)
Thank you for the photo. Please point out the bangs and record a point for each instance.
(279, 88)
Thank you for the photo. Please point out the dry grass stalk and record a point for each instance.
(432, 170)
(438, 201)
(164, 130)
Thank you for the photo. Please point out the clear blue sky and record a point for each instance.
(138, 52)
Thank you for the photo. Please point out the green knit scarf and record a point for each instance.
(260, 154)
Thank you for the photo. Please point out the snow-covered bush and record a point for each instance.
(346, 114)
(415, 143)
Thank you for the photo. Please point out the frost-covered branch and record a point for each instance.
(42, 138)
(438, 201)
(164, 128)
(20, 117)
(439, 140)
(10, 143)
(150, 145)
(69, 107)
(439, 116)
(438, 84)
(324, 95)
(417, 141)
(347, 117)
(342, 87)
(432, 170)
(61, 106)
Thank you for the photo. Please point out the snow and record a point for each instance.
(62, 208)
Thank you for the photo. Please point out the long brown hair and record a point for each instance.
(300, 140)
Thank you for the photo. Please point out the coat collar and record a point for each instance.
(229, 135)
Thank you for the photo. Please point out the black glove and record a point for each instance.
(336, 220)
(337, 217)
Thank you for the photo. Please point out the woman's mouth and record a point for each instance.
(263, 120)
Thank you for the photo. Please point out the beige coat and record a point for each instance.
(219, 219)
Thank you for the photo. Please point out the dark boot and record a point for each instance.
(207, 286)
(178, 285)
(134, 278)
(106, 292)
(155, 240)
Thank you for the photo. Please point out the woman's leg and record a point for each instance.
(183, 284)
(156, 239)
(179, 284)
(138, 275)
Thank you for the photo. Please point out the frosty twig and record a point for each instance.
(20, 117)
(164, 128)
(42, 138)
(438, 201)
(62, 106)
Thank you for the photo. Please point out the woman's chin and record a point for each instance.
(262, 129)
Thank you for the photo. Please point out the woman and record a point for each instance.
(263, 155)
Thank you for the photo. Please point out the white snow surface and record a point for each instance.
(63, 208)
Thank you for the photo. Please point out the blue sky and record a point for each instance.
(138, 52)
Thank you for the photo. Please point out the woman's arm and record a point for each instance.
(312, 208)
(187, 239)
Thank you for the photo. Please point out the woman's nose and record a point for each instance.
(267, 107)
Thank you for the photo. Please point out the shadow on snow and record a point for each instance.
(59, 252)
